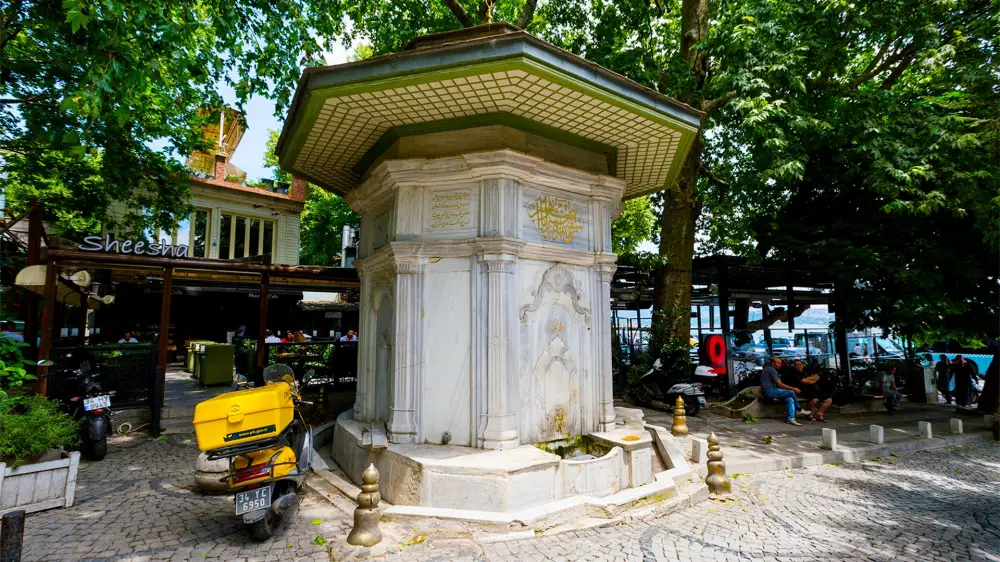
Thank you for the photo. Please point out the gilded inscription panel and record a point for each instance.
(451, 210)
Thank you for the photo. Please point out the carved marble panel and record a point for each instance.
(553, 218)
(380, 230)
(450, 212)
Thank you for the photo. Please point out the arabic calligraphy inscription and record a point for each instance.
(555, 218)
(451, 210)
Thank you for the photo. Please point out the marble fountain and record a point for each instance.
(487, 166)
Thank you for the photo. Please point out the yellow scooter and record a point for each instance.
(267, 443)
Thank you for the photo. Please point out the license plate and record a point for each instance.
(702, 401)
(252, 500)
(97, 403)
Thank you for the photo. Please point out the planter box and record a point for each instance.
(35, 487)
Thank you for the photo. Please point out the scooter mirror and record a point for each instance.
(310, 375)
(45, 363)
(656, 364)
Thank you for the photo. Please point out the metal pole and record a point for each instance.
(34, 258)
(156, 402)
(168, 289)
(265, 290)
(83, 320)
(48, 312)
(11, 536)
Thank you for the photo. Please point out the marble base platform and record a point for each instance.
(445, 479)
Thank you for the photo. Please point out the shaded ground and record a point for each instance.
(139, 504)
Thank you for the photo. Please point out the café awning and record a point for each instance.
(71, 288)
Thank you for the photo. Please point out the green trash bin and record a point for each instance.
(215, 364)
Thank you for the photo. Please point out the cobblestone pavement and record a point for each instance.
(941, 505)
(138, 504)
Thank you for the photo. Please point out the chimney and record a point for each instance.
(220, 166)
(298, 192)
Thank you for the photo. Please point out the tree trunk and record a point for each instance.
(681, 208)
(672, 293)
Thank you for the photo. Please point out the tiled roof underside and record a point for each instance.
(348, 126)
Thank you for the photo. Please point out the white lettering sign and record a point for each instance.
(139, 248)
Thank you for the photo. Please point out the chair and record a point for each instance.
(189, 346)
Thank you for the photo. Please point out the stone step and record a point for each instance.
(176, 427)
(177, 413)
(334, 496)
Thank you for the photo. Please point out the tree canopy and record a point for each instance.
(855, 138)
(97, 99)
(859, 139)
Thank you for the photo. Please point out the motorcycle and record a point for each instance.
(267, 443)
(658, 384)
(82, 397)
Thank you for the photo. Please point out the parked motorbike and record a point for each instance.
(267, 443)
(659, 383)
(80, 393)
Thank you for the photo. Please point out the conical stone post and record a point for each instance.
(680, 426)
(366, 515)
(717, 481)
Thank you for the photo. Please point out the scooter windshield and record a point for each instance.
(277, 373)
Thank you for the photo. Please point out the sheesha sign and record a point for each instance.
(138, 247)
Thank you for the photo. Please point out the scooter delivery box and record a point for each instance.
(239, 417)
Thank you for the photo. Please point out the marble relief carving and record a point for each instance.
(555, 218)
(557, 279)
(557, 392)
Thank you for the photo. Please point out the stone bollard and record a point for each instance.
(366, 515)
(924, 428)
(699, 450)
(829, 438)
(876, 434)
(680, 426)
(956, 426)
(717, 481)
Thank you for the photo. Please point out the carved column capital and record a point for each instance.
(606, 272)
(408, 266)
(498, 263)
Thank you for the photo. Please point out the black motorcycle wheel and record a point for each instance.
(262, 529)
(643, 396)
(691, 406)
(95, 450)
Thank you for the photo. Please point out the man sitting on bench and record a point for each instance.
(772, 387)
(811, 389)
(893, 397)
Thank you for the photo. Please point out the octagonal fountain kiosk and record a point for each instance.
(487, 166)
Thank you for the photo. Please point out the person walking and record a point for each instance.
(961, 372)
(772, 387)
(945, 382)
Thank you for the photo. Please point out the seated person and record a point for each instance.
(772, 387)
(811, 389)
(893, 397)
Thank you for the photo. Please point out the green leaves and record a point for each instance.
(102, 99)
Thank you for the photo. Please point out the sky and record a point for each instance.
(249, 156)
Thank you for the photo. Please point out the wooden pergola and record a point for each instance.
(266, 275)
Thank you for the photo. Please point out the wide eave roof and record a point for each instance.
(343, 116)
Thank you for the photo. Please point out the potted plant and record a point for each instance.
(35, 472)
